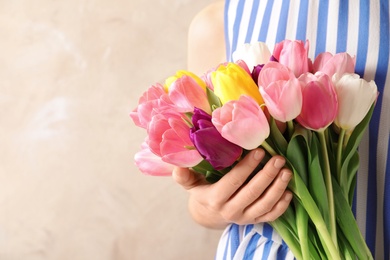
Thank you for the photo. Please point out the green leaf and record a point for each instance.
(302, 227)
(345, 247)
(357, 134)
(277, 138)
(352, 169)
(301, 192)
(348, 224)
(316, 185)
(297, 155)
(213, 99)
(290, 238)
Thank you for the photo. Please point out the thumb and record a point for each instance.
(186, 178)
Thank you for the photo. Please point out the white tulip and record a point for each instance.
(355, 97)
(252, 54)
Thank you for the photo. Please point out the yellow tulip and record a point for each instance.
(230, 81)
(181, 73)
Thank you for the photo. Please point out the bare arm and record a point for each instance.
(206, 42)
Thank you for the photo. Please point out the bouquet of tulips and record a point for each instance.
(313, 113)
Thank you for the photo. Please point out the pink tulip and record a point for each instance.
(319, 104)
(340, 63)
(169, 138)
(242, 122)
(150, 164)
(153, 100)
(294, 55)
(186, 94)
(283, 98)
(273, 72)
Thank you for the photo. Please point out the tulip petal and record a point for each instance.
(356, 97)
(150, 164)
(186, 93)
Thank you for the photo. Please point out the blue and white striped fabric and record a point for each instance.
(252, 242)
(361, 28)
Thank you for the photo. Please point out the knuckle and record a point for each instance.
(251, 193)
(265, 207)
(215, 205)
(230, 216)
(269, 173)
(235, 182)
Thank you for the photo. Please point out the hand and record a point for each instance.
(264, 198)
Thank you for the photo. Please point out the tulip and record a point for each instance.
(283, 99)
(181, 73)
(294, 55)
(151, 164)
(243, 65)
(218, 151)
(340, 63)
(256, 72)
(356, 97)
(273, 72)
(169, 138)
(186, 94)
(153, 100)
(231, 81)
(252, 53)
(319, 104)
(242, 122)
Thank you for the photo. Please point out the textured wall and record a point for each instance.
(70, 72)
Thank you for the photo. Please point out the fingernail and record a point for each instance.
(279, 163)
(257, 155)
(286, 176)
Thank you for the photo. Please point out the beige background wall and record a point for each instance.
(70, 72)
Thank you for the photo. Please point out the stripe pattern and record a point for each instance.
(361, 28)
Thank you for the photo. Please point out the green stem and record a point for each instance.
(340, 148)
(288, 237)
(269, 148)
(302, 227)
(329, 188)
(297, 186)
(290, 127)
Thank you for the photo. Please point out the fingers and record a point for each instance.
(274, 201)
(278, 210)
(186, 178)
(261, 181)
(233, 180)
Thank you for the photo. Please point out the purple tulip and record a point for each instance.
(256, 72)
(218, 151)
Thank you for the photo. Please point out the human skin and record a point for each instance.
(231, 200)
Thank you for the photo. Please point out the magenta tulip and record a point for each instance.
(294, 55)
(218, 151)
(319, 104)
(151, 164)
(340, 63)
(242, 122)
